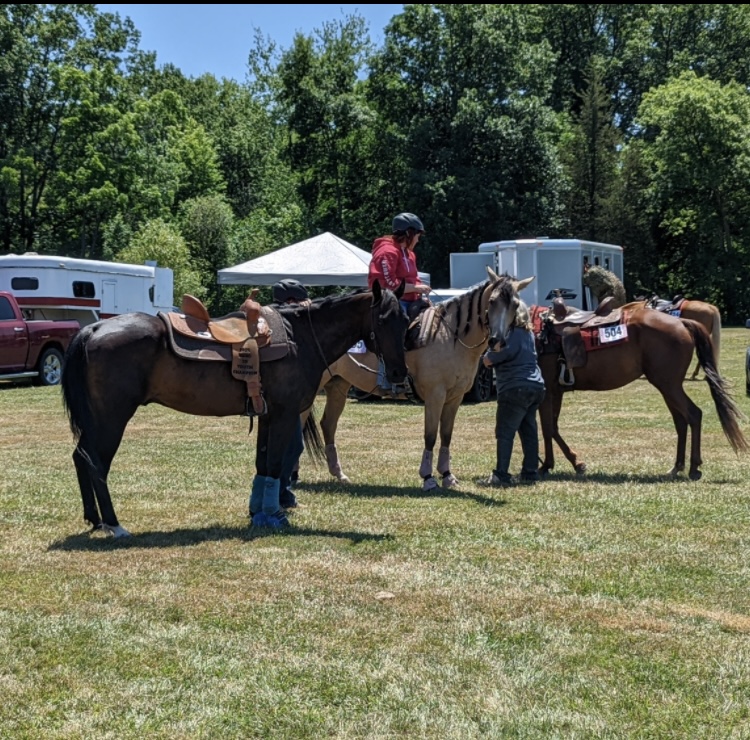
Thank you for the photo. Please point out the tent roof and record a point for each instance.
(325, 259)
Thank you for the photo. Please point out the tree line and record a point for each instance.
(626, 124)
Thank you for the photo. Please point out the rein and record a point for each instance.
(317, 343)
(320, 349)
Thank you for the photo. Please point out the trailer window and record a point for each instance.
(24, 283)
(83, 290)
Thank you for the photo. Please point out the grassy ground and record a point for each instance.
(617, 605)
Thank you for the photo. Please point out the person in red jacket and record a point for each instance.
(394, 260)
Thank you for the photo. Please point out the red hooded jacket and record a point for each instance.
(391, 264)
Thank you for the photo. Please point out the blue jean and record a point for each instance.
(291, 456)
(516, 412)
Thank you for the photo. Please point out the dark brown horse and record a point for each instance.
(116, 365)
(660, 347)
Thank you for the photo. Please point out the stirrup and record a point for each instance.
(567, 377)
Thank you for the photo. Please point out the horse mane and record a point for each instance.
(460, 312)
(604, 284)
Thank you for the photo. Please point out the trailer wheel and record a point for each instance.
(483, 385)
(50, 367)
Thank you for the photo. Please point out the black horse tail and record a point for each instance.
(729, 412)
(74, 382)
(311, 435)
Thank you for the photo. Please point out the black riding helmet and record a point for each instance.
(287, 289)
(405, 221)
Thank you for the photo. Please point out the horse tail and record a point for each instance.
(74, 383)
(716, 335)
(728, 411)
(311, 435)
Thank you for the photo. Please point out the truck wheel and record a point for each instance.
(483, 385)
(50, 367)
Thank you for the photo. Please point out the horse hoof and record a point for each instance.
(343, 478)
(695, 475)
(581, 469)
(117, 532)
(429, 484)
(450, 481)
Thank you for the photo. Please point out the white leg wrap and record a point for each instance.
(425, 469)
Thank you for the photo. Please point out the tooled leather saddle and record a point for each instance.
(573, 333)
(246, 338)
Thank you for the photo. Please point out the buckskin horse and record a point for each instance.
(604, 283)
(442, 367)
(590, 351)
(118, 364)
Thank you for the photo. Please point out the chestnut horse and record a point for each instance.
(116, 365)
(660, 347)
(442, 371)
(604, 283)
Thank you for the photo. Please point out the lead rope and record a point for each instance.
(317, 343)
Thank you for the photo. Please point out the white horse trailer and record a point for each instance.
(47, 287)
(556, 263)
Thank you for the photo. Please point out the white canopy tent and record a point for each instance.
(325, 259)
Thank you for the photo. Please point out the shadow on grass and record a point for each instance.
(613, 479)
(355, 490)
(97, 541)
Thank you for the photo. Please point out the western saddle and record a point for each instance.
(573, 332)
(247, 337)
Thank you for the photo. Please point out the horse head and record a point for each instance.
(389, 324)
(505, 306)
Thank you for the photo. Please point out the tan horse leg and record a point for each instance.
(433, 406)
(336, 391)
(447, 421)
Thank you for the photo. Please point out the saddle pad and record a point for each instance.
(196, 346)
(426, 331)
(590, 334)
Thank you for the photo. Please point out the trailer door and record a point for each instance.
(109, 299)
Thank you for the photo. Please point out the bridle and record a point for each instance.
(484, 323)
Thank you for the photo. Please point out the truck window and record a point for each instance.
(6, 310)
(24, 283)
(83, 289)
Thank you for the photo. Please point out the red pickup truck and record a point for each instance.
(31, 349)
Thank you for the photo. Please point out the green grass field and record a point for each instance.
(612, 606)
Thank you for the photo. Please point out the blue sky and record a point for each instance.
(217, 38)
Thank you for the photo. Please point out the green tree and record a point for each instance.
(590, 153)
(162, 243)
(207, 223)
(47, 53)
(697, 134)
(464, 136)
(326, 116)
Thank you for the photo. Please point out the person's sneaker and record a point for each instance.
(528, 479)
(272, 521)
(287, 499)
(494, 481)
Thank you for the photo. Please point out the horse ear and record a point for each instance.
(400, 290)
(521, 284)
(492, 274)
(377, 292)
